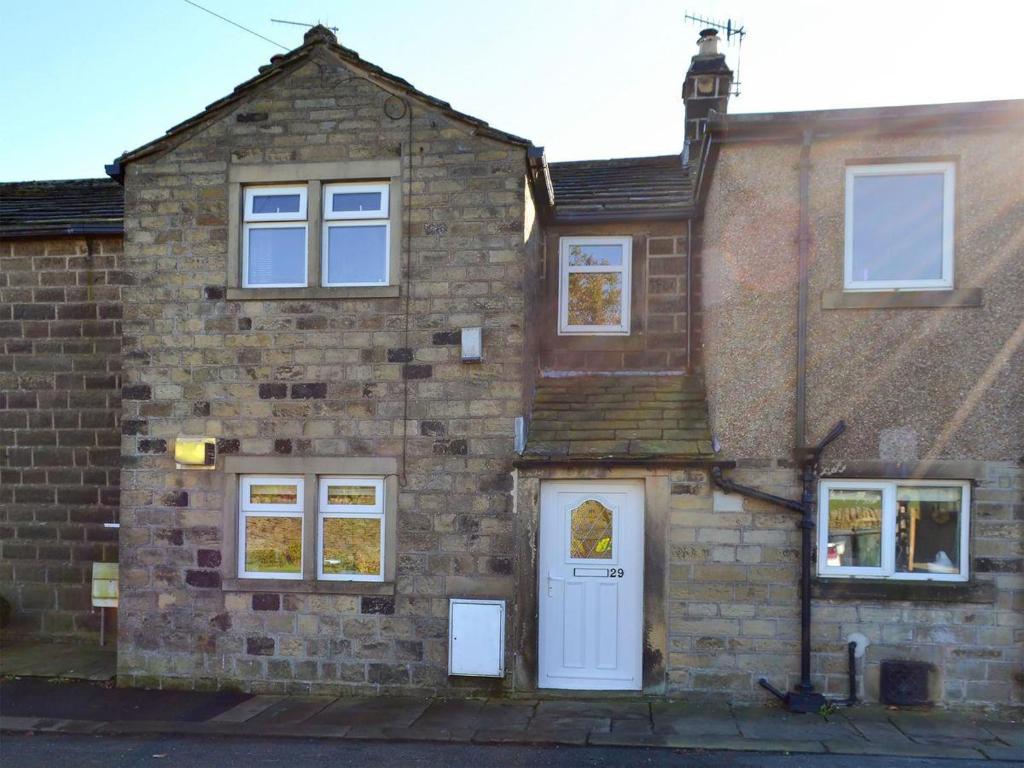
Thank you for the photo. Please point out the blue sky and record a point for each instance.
(86, 79)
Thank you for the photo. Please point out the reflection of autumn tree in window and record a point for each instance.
(595, 298)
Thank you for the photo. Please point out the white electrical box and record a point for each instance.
(476, 637)
(472, 345)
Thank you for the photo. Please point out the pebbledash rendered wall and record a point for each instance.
(319, 378)
(928, 389)
(60, 318)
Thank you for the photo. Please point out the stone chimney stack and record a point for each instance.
(705, 88)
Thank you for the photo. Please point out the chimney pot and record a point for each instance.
(707, 45)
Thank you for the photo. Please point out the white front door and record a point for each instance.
(591, 585)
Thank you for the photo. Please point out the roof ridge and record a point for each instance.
(631, 158)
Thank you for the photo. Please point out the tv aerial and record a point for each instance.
(732, 29)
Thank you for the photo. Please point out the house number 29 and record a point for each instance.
(616, 573)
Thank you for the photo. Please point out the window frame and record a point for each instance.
(313, 176)
(886, 571)
(564, 270)
(340, 219)
(309, 468)
(325, 511)
(262, 190)
(270, 510)
(946, 281)
(383, 187)
(248, 227)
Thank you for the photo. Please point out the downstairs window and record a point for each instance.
(914, 530)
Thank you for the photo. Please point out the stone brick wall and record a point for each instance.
(60, 318)
(733, 601)
(657, 339)
(319, 378)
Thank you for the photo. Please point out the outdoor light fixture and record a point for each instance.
(192, 452)
(472, 345)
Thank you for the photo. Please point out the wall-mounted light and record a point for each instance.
(191, 452)
(472, 345)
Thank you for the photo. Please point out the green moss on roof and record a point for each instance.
(631, 417)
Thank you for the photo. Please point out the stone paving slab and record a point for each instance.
(908, 749)
(290, 710)
(686, 719)
(61, 660)
(998, 752)
(247, 710)
(770, 724)
(1011, 733)
(621, 710)
(372, 712)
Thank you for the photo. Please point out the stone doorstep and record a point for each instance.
(566, 737)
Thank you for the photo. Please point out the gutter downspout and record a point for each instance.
(689, 295)
(803, 251)
(804, 698)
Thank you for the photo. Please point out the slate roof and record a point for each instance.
(632, 417)
(75, 207)
(625, 188)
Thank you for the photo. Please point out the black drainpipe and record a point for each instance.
(804, 698)
(803, 251)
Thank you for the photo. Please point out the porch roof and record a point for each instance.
(632, 417)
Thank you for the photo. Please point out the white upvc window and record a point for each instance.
(356, 236)
(274, 237)
(594, 285)
(911, 530)
(899, 226)
(270, 521)
(350, 529)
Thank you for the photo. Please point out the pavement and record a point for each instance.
(77, 662)
(47, 707)
(48, 750)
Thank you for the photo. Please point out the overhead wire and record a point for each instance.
(236, 24)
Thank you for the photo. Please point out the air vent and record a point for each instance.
(905, 683)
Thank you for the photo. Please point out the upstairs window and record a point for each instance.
(356, 235)
(594, 285)
(274, 237)
(888, 529)
(899, 226)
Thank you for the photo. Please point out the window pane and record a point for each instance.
(357, 254)
(363, 495)
(854, 528)
(277, 255)
(928, 529)
(595, 298)
(355, 201)
(591, 525)
(273, 494)
(897, 227)
(604, 255)
(273, 544)
(351, 545)
(276, 203)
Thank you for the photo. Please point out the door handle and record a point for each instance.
(552, 579)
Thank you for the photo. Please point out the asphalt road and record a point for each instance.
(46, 751)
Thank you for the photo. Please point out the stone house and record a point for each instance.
(440, 377)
